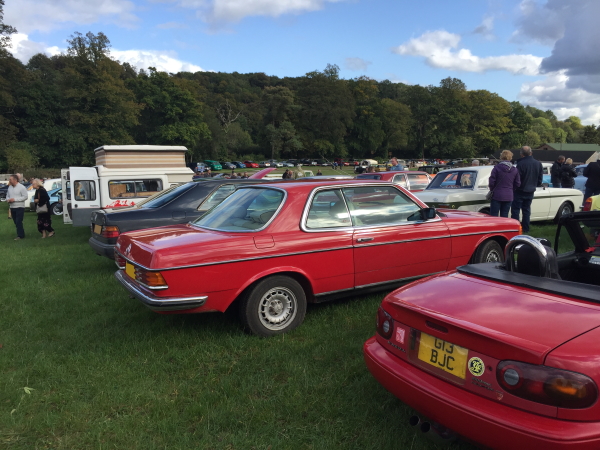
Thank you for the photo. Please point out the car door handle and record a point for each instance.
(364, 239)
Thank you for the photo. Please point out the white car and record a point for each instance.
(466, 188)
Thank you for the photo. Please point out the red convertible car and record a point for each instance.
(506, 355)
(273, 248)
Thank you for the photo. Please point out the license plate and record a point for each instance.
(98, 229)
(444, 355)
(130, 270)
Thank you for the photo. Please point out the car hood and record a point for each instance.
(496, 319)
(184, 245)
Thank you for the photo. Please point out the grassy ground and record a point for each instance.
(84, 366)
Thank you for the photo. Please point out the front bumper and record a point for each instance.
(102, 249)
(159, 303)
(489, 423)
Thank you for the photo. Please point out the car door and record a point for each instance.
(84, 194)
(390, 241)
(540, 206)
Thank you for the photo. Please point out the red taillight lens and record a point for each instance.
(150, 279)
(110, 232)
(119, 260)
(547, 385)
(385, 323)
(587, 206)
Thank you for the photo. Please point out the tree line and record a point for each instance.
(55, 110)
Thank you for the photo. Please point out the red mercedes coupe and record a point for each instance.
(269, 249)
(504, 354)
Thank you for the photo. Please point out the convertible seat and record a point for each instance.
(530, 263)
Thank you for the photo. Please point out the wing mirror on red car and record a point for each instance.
(423, 215)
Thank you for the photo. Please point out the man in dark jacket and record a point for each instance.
(592, 185)
(531, 174)
(555, 171)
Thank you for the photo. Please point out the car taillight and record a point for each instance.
(150, 279)
(385, 323)
(547, 385)
(110, 232)
(587, 206)
(119, 260)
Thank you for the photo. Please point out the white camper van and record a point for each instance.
(123, 176)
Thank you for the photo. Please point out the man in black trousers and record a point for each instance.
(555, 171)
(531, 173)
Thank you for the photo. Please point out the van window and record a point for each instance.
(133, 188)
(84, 190)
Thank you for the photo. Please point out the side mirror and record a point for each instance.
(428, 213)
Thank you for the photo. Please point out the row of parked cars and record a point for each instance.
(495, 341)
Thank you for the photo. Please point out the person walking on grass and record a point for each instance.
(17, 195)
(42, 199)
(504, 179)
(531, 174)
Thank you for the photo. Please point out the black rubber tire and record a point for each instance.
(273, 306)
(489, 251)
(565, 209)
(56, 209)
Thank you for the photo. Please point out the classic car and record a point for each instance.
(507, 354)
(251, 164)
(466, 188)
(239, 164)
(409, 179)
(295, 242)
(228, 165)
(177, 204)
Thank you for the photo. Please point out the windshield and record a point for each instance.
(247, 209)
(164, 197)
(451, 179)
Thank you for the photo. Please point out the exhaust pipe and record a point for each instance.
(414, 421)
(438, 433)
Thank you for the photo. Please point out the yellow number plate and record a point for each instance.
(443, 355)
(98, 229)
(130, 270)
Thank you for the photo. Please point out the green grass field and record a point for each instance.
(83, 366)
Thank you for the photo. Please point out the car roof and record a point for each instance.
(299, 186)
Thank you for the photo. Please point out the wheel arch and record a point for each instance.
(500, 239)
(558, 213)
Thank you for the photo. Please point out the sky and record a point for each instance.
(543, 53)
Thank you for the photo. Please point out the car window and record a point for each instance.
(377, 205)
(217, 197)
(246, 209)
(545, 170)
(133, 188)
(369, 177)
(328, 210)
(591, 231)
(454, 180)
(418, 180)
(401, 180)
(166, 196)
(84, 190)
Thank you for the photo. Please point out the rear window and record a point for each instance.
(418, 181)
(248, 209)
(164, 197)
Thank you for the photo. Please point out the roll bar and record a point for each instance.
(522, 239)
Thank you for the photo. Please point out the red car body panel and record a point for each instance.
(220, 265)
(251, 165)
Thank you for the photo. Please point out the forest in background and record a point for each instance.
(54, 111)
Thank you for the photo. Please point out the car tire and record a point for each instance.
(489, 251)
(56, 209)
(565, 209)
(273, 306)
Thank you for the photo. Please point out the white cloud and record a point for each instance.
(486, 29)
(440, 50)
(357, 64)
(163, 61)
(553, 92)
(227, 11)
(23, 49)
(47, 15)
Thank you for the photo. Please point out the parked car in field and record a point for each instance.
(503, 354)
(466, 188)
(291, 243)
(228, 165)
(178, 204)
(239, 164)
(213, 165)
(411, 180)
(251, 164)
(264, 164)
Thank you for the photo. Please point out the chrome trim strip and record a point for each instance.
(159, 303)
(437, 237)
(380, 283)
(275, 214)
(217, 263)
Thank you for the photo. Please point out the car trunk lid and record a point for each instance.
(496, 319)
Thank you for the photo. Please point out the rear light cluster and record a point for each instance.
(153, 280)
(587, 206)
(385, 323)
(119, 260)
(110, 231)
(547, 385)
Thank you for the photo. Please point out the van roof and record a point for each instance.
(142, 148)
